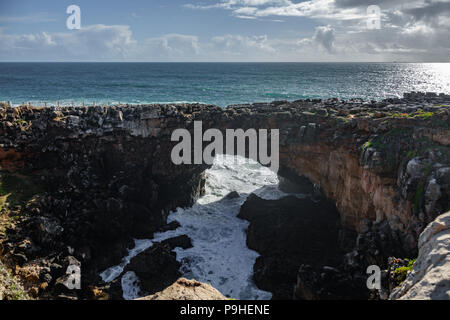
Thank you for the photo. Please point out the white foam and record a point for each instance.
(113, 272)
(130, 286)
(219, 255)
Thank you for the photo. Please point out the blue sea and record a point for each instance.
(213, 83)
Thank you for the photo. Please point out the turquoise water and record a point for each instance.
(215, 83)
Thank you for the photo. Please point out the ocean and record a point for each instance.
(221, 84)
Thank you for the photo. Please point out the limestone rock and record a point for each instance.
(430, 277)
(184, 289)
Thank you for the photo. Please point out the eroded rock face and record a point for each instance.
(184, 289)
(108, 176)
(430, 276)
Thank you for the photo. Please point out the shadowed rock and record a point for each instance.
(287, 233)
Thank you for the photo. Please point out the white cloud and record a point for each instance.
(416, 32)
(411, 30)
(324, 9)
(169, 46)
(237, 45)
(96, 42)
(89, 43)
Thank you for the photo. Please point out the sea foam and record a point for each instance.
(219, 255)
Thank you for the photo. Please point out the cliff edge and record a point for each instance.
(430, 276)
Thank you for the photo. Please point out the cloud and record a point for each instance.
(169, 46)
(415, 31)
(96, 42)
(89, 43)
(325, 36)
(284, 8)
(429, 11)
(411, 30)
(237, 45)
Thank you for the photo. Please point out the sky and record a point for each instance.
(227, 30)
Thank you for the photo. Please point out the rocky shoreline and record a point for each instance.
(79, 183)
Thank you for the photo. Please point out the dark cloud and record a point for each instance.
(430, 10)
(325, 36)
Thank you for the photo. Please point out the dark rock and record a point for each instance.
(290, 182)
(182, 241)
(232, 195)
(156, 268)
(326, 283)
(287, 233)
(168, 227)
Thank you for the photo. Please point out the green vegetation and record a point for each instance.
(367, 145)
(411, 154)
(21, 122)
(400, 115)
(402, 272)
(384, 143)
(421, 188)
(398, 145)
(420, 114)
(423, 115)
(10, 289)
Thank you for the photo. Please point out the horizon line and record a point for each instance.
(224, 62)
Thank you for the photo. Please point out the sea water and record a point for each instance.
(219, 255)
(220, 84)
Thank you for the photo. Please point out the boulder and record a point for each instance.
(232, 195)
(184, 289)
(156, 268)
(287, 233)
(182, 241)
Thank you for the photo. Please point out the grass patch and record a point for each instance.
(423, 115)
(420, 114)
(402, 272)
(11, 289)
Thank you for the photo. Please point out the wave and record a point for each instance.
(219, 255)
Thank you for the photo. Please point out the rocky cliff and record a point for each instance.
(429, 278)
(80, 182)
